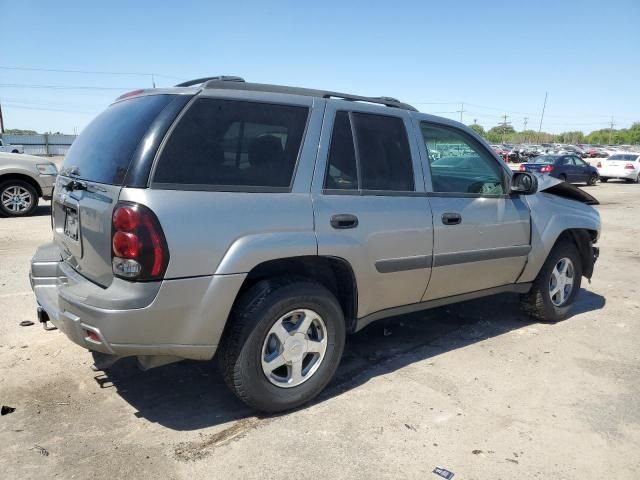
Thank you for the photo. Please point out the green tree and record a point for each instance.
(478, 129)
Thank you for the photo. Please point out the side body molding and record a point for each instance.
(251, 250)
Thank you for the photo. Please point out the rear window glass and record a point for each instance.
(233, 144)
(103, 150)
(628, 157)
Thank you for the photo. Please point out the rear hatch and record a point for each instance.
(91, 178)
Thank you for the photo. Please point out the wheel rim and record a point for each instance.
(561, 282)
(16, 199)
(294, 348)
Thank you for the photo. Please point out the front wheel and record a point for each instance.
(554, 290)
(283, 345)
(17, 198)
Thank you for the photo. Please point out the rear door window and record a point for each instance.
(383, 152)
(378, 159)
(233, 145)
(103, 150)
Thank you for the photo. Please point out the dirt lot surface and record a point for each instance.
(476, 388)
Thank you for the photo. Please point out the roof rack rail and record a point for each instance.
(223, 83)
(219, 78)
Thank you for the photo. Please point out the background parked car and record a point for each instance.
(24, 179)
(5, 147)
(569, 168)
(620, 165)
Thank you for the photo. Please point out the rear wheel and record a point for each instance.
(17, 198)
(562, 177)
(283, 345)
(592, 179)
(604, 179)
(554, 290)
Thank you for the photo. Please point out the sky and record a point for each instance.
(496, 57)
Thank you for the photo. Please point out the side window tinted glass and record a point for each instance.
(341, 172)
(458, 164)
(383, 153)
(234, 143)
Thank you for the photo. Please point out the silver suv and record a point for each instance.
(265, 223)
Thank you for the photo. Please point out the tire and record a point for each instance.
(604, 179)
(15, 151)
(250, 336)
(592, 179)
(539, 302)
(27, 193)
(562, 177)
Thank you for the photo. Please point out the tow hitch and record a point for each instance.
(43, 318)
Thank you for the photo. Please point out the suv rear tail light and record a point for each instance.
(138, 247)
(546, 169)
(523, 168)
(599, 165)
(629, 166)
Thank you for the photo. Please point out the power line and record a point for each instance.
(94, 72)
(62, 87)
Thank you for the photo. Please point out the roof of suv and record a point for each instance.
(238, 83)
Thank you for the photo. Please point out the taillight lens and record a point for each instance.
(629, 166)
(522, 167)
(546, 169)
(138, 246)
(599, 165)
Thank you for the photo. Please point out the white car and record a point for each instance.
(620, 165)
(5, 147)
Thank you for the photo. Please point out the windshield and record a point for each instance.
(104, 149)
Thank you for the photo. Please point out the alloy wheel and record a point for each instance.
(16, 199)
(561, 282)
(294, 348)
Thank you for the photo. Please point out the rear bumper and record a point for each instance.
(180, 318)
(617, 173)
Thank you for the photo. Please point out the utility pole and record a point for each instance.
(504, 126)
(526, 119)
(1, 120)
(461, 111)
(153, 81)
(544, 106)
(475, 121)
(611, 129)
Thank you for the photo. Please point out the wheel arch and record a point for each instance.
(334, 273)
(25, 178)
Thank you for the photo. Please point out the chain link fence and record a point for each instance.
(41, 144)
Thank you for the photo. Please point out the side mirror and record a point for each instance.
(524, 183)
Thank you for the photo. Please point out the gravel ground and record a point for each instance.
(476, 388)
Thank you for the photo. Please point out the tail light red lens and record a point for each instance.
(629, 166)
(126, 245)
(139, 249)
(599, 165)
(522, 168)
(547, 169)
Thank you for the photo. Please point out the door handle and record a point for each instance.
(451, 218)
(344, 220)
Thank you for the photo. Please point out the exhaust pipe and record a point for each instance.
(43, 318)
